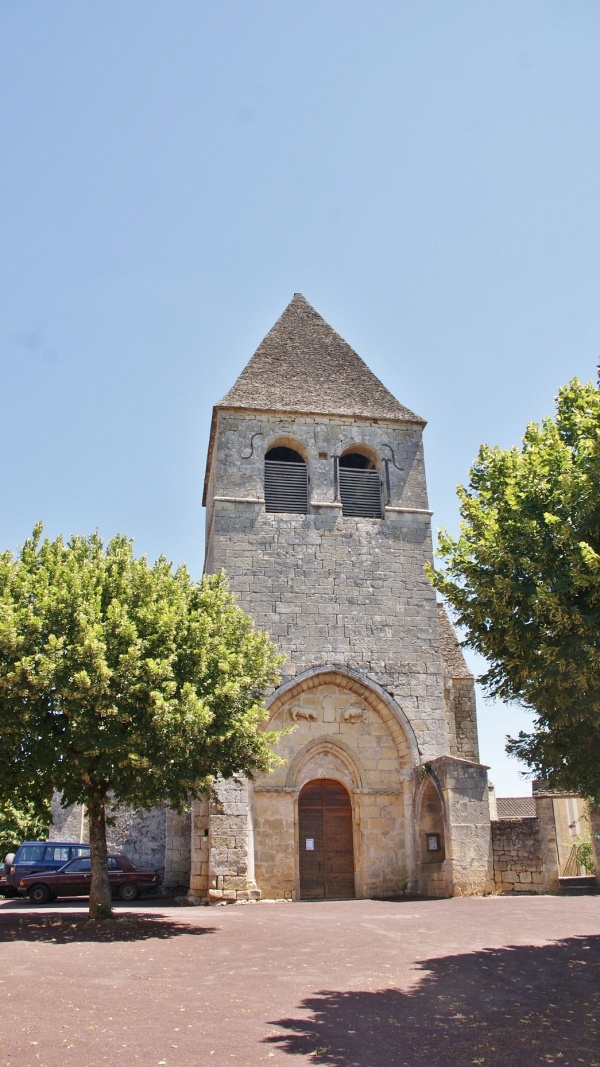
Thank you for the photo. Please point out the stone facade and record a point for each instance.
(531, 853)
(374, 684)
(331, 589)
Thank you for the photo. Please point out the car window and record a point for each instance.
(80, 865)
(80, 850)
(56, 854)
(31, 854)
(114, 865)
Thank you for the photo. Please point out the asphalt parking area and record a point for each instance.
(495, 981)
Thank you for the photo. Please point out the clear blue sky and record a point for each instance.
(426, 173)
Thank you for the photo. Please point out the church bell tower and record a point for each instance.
(316, 508)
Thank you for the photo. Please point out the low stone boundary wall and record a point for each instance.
(518, 856)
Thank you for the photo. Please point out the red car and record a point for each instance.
(73, 880)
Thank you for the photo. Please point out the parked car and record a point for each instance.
(6, 890)
(34, 856)
(73, 880)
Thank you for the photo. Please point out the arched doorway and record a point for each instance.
(326, 845)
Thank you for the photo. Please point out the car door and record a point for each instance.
(116, 873)
(74, 879)
(28, 860)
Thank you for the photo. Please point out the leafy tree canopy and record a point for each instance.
(125, 681)
(29, 821)
(523, 579)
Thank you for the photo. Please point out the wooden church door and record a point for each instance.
(326, 847)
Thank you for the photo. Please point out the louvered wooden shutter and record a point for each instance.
(360, 491)
(286, 486)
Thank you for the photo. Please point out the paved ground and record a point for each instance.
(497, 981)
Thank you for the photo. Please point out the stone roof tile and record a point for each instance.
(516, 807)
(304, 366)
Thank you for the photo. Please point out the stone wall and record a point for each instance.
(178, 831)
(141, 835)
(68, 824)
(156, 838)
(460, 695)
(531, 854)
(518, 856)
(333, 589)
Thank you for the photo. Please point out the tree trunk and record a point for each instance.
(100, 898)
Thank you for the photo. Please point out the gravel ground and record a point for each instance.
(364, 983)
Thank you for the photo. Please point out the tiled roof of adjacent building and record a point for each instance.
(454, 661)
(304, 366)
(515, 807)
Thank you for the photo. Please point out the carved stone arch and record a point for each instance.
(431, 837)
(428, 780)
(361, 449)
(334, 751)
(369, 691)
(286, 440)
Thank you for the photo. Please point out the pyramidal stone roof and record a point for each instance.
(306, 367)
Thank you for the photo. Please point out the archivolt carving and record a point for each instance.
(326, 757)
(354, 714)
(365, 690)
(307, 714)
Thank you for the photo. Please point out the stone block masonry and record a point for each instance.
(328, 588)
(518, 856)
(373, 684)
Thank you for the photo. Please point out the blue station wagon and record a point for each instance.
(32, 857)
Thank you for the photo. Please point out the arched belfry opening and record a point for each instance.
(325, 841)
(360, 485)
(286, 481)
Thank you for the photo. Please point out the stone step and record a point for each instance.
(579, 885)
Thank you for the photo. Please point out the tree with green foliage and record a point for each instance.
(122, 682)
(28, 821)
(523, 578)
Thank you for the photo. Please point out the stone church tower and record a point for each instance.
(316, 507)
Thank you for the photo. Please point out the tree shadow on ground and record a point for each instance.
(68, 929)
(518, 1006)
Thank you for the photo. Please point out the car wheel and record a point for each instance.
(39, 893)
(128, 891)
